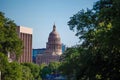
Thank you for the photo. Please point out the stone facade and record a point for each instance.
(53, 49)
(25, 34)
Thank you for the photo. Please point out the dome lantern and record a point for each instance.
(54, 27)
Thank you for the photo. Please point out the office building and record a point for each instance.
(25, 34)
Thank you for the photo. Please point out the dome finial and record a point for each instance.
(54, 27)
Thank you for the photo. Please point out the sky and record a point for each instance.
(40, 15)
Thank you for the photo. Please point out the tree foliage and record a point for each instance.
(69, 62)
(3, 62)
(54, 66)
(99, 54)
(26, 73)
(12, 72)
(9, 40)
(50, 71)
(11, 43)
(34, 69)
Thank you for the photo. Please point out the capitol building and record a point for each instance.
(53, 48)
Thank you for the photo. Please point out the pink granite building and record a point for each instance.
(53, 49)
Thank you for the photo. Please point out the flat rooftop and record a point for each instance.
(25, 30)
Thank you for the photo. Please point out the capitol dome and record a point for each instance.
(53, 49)
(54, 36)
(54, 43)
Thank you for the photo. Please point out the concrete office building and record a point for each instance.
(25, 34)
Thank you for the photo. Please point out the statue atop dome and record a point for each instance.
(54, 27)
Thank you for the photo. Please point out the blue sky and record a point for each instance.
(40, 15)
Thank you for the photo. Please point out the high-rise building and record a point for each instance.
(25, 34)
(53, 49)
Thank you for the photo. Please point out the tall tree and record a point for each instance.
(98, 28)
(9, 40)
(70, 62)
